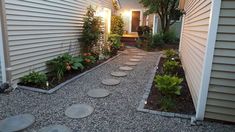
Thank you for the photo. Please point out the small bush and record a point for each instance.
(117, 25)
(88, 59)
(157, 40)
(167, 104)
(115, 43)
(170, 37)
(34, 79)
(168, 85)
(171, 67)
(61, 64)
(170, 53)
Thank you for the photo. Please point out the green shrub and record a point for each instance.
(115, 43)
(34, 79)
(167, 104)
(157, 40)
(91, 30)
(168, 85)
(170, 37)
(170, 67)
(117, 25)
(88, 59)
(61, 64)
(170, 53)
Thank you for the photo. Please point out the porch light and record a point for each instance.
(127, 13)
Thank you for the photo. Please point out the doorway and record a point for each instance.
(135, 20)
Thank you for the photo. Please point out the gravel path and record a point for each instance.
(117, 112)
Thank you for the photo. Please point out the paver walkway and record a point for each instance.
(117, 112)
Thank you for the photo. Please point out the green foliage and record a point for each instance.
(168, 85)
(170, 53)
(61, 64)
(170, 67)
(88, 59)
(170, 37)
(157, 40)
(115, 40)
(91, 30)
(117, 25)
(167, 104)
(166, 9)
(34, 79)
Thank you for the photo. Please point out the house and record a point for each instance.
(35, 31)
(207, 51)
(133, 15)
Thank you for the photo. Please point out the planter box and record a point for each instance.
(66, 82)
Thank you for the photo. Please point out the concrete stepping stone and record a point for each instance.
(135, 60)
(126, 68)
(141, 54)
(79, 111)
(119, 74)
(131, 63)
(16, 123)
(110, 82)
(137, 57)
(98, 93)
(55, 128)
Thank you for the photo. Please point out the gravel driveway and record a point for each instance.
(117, 112)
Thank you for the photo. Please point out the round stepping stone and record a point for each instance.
(110, 82)
(119, 74)
(79, 111)
(137, 57)
(131, 63)
(16, 123)
(98, 93)
(141, 54)
(135, 60)
(126, 68)
(55, 128)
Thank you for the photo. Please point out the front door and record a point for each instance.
(135, 21)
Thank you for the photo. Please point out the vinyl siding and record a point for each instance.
(221, 96)
(40, 30)
(193, 43)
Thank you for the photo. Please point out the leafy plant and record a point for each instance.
(168, 85)
(157, 40)
(91, 30)
(167, 104)
(88, 59)
(115, 43)
(170, 53)
(61, 64)
(169, 37)
(170, 67)
(34, 79)
(117, 25)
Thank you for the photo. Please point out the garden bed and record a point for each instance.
(184, 104)
(69, 77)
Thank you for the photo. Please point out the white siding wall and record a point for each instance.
(193, 43)
(40, 30)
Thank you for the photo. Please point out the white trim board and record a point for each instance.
(130, 19)
(207, 65)
(2, 60)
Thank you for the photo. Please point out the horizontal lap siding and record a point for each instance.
(40, 30)
(221, 96)
(193, 43)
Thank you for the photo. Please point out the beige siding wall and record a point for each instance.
(221, 96)
(40, 30)
(193, 43)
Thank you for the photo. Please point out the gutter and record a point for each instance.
(5, 42)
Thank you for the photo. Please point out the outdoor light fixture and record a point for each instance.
(127, 13)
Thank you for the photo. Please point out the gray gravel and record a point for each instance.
(117, 112)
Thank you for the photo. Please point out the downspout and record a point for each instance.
(5, 42)
(207, 65)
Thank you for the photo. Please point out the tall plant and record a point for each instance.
(91, 30)
(117, 25)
